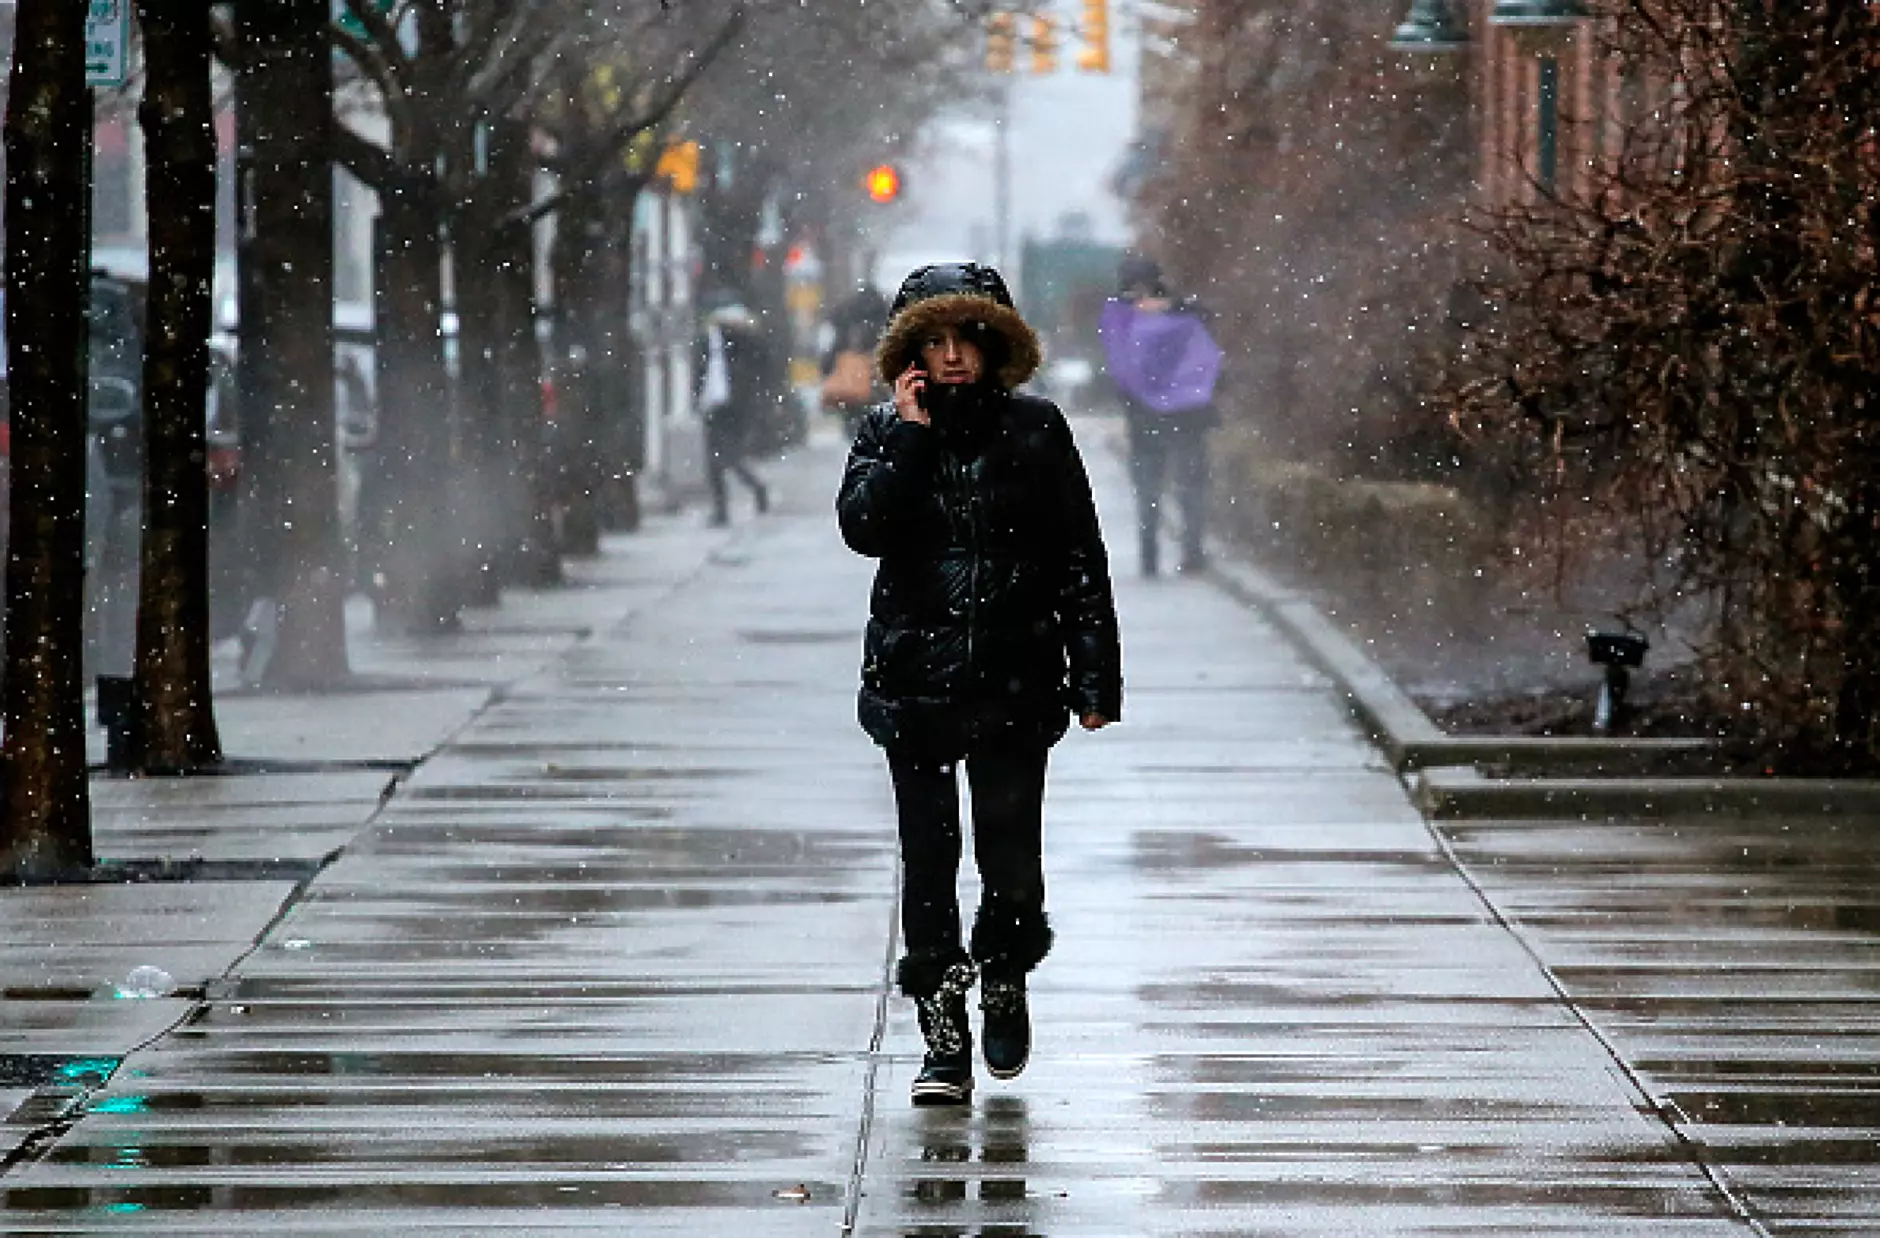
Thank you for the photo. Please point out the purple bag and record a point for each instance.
(1165, 360)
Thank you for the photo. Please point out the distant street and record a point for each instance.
(616, 958)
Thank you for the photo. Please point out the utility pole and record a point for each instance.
(1002, 177)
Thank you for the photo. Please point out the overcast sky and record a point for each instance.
(1068, 132)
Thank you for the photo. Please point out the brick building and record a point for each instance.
(1545, 101)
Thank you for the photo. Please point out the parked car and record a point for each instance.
(114, 452)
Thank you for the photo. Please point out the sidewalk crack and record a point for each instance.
(1664, 1113)
(858, 1168)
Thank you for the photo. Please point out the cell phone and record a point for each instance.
(920, 392)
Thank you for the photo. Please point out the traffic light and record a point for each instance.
(1095, 29)
(1001, 38)
(883, 183)
(678, 164)
(1044, 45)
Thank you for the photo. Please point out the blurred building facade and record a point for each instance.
(1544, 102)
(1546, 99)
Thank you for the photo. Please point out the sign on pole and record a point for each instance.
(107, 42)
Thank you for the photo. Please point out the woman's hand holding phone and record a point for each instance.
(907, 389)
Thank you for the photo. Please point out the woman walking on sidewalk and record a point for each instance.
(991, 622)
(731, 396)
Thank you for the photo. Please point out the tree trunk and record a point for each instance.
(174, 714)
(534, 559)
(416, 552)
(502, 368)
(487, 522)
(46, 829)
(291, 499)
(578, 279)
(621, 401)
(403, 497)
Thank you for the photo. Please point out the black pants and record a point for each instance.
(1165, 449)
(725, 436)
(1010, 933)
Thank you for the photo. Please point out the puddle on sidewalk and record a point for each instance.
(493, 1192)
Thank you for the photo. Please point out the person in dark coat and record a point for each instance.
(1165, 447)
(731, 394)
(991, 624)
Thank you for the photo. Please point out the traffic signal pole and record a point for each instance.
(1002, 177)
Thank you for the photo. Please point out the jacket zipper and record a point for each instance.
(963, 478)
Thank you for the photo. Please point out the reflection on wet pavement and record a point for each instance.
(607, 950)
(1733, 965)
(981, 1155)
(614, 961)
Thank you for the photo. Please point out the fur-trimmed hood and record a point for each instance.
(900, 344)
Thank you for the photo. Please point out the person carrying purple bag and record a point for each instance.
(1164, 366)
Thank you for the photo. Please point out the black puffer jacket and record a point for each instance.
(991, 618)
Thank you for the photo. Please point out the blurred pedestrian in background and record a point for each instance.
(1164, 366)
(849, 384)
(732, 390)
(991, 622)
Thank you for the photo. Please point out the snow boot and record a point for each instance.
(946, 1076)
(1010, 938)
(1006, 1039)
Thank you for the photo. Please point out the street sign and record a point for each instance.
(107, 42)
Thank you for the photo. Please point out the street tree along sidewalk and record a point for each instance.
(461, 98)
(477, 99)
(290, 517)
(606, 118)
(1669, 360)
(407, 531)
(45, 827)
(173, 716)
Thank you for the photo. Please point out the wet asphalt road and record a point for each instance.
(615, 959)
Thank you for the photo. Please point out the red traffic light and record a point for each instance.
(883, 183)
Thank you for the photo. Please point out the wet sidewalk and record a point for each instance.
(586, 922)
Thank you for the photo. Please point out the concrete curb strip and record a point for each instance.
(1449, 794)
(1384, 709)
(1535, 776)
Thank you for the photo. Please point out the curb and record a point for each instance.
(1460, 777)
(1383, 708)
(1464, 794)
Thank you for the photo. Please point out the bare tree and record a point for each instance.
(605, 116)
(452, 77)
(46, 828)
(1683, 357)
